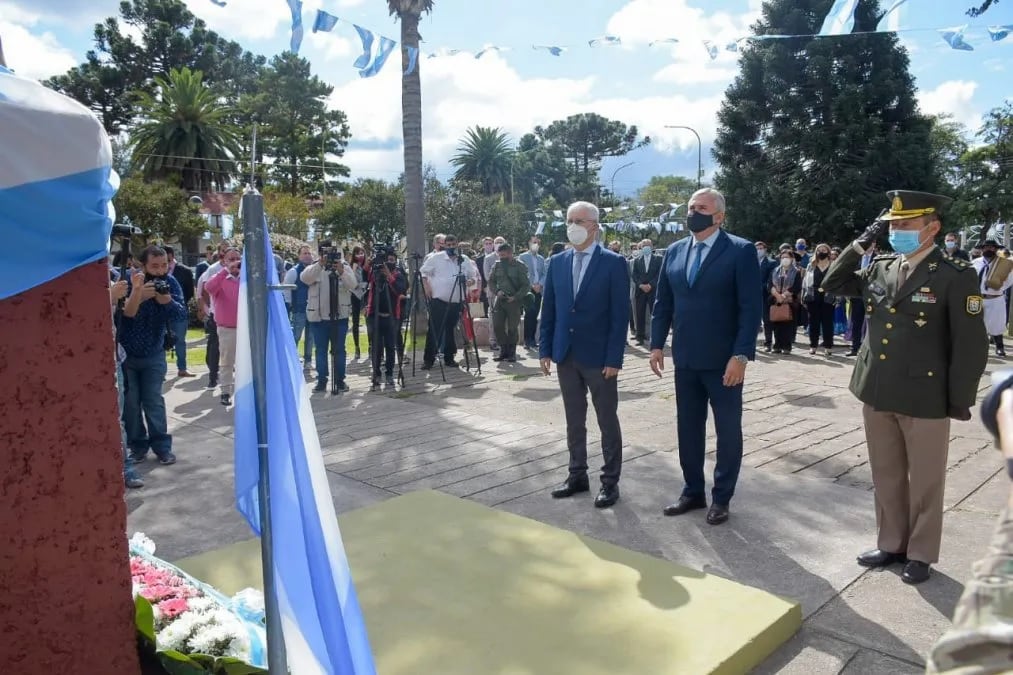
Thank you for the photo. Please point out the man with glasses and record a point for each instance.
(440, 277)
(585, 309)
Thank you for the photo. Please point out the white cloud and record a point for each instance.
(252, 19)
(953, 97)
(34, 54)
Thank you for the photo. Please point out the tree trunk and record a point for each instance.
(411, 127)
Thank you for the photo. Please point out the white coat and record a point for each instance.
(995, 300)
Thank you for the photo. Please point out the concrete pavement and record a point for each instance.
(802, 512)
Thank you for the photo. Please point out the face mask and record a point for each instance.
(988, 254)
(646, 251)
(489, 248)
(306, 260)
(391, 266)
(533, 248)
(951, 244)
(576, 234)
(822, 255)
(761, 253)
(799, 247)
(786, 262)
(905, 241)
(698, 222)
(451, 251)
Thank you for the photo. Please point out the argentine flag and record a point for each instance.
(320, 615)
(56, 185)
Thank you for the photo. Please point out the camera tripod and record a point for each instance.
(418, 299)
(379, 286)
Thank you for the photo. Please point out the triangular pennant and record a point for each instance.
(324, 22)
(413, 56)
(955, 38)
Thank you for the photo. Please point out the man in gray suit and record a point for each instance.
(537, 266)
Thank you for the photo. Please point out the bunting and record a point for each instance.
(382, 53)
(366, 36)
(712, 49)
(840, 20)
(489, 48)
(220, 3)
(604, 41)
(955, 38)
(413, 57)
(890, 21)
(295, 6)
(555, 51)
(668, 40)
(998, 33)
(324, 22)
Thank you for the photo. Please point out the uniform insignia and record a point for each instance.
(974, 303)
(933, 266)
(925, 289)
(920, 322)
(924, 297)
(897, 204)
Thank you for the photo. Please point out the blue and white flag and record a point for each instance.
(366, 36)
(604, 41)
(489, 48)
(320, 615)
(56, 185)
(712, 49)
(324, 22)
(296, 41)
(413, 58)
(541, 228)
(890, 21)
(998, 33)
(668, 40)
(555, 51)
(220, 3)
(840, 20)
(382, 53)
(955, 38)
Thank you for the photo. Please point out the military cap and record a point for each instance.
(910, 204)
(989, 242)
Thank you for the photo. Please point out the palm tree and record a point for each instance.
(484, 156)
(409, 12)
(185, 133)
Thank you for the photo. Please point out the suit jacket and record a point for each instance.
(646, 272)
(184, 275)
(718, 317)
(591, 327)
(927, 346)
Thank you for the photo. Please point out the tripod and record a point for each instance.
(380, 288)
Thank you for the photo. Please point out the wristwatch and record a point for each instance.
(741, 358)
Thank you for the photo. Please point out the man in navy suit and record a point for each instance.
(707, 295)
(585, 310)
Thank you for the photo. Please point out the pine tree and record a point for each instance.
(814, 130)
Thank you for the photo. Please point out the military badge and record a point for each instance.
(920, 322)
(933, 266)
(897, 204)
(974, 303)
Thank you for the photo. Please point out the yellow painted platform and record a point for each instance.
(450, 587)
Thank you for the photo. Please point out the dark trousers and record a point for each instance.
(382, 338)
(821, 320)
(694, 389)
(531, 320)
(857, 322)
(443, 318)
(768, 328)
(575, 381)
(354, 319)
(642, 303)
(784, 334)
(211, 357)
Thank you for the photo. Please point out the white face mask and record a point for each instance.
(533, 248)
(761, 253)
(646, 251)
(786, 262)
(576, 234)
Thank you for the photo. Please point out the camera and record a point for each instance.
(382, 252)
(330, 257)
(160, 284)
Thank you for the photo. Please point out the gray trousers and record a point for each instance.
(575, 381)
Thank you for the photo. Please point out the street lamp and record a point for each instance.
(614, 179)
(699, 151)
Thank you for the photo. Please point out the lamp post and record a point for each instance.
(613, 182)
(699, 151)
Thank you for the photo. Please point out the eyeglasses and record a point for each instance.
(581, 221)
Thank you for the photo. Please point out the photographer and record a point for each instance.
(387, 285)
(154, 300)
(441, 276)
(328, 306)
(223, 288)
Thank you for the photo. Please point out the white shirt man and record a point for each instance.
(442, 284)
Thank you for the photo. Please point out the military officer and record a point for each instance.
(919, 367)
(981, 639)
(509, 285)
(995, 275)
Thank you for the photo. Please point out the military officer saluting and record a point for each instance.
(920, 367)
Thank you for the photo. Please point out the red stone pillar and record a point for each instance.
(65, 601)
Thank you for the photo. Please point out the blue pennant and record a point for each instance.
(413, 57)
(296, 41)
(386, 47)
(890, 21)
(840, 20)
(711, 48)
(998, 33)
(324, 22)
(955, 38)
(555, 51)
(220, 3)
(604, 41)
(366, 36)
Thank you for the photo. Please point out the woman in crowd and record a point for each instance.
(819, 305)
(360, 265)
(785, 286)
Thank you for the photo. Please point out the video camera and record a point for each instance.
(381, 252)
(331, 257)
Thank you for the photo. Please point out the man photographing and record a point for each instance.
(387, 285)
(446, 276)
(328, 306)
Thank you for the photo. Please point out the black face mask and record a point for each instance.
(988, 254)
(391, 266)
(451, 251)
(822, 255)
(698, 222)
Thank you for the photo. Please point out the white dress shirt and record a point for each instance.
(441, 272)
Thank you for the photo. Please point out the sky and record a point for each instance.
(517, 89)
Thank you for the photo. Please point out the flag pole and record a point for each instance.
(255, 248)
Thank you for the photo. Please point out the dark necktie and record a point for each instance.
(695, 267)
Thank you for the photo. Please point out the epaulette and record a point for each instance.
(957, 262)
(885, 256)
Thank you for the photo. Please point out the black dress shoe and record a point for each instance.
(879, 558)
(851, 353)
(607, 496)
(718, 514)
(571, 487)
(685, 505)
(915, 572)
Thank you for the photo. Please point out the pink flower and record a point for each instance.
(173, 607)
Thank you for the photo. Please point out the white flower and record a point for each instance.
(175, 635)
(201, 604)
(141, 542)
(250, 599)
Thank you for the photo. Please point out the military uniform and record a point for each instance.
(921, 364)
(981, 639)
(511, 277)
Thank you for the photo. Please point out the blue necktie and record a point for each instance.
(579, 256)
(694, 269)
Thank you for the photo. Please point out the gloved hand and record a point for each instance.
(958, 413)
(872, 232)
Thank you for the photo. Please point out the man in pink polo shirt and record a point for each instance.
(223, 288)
